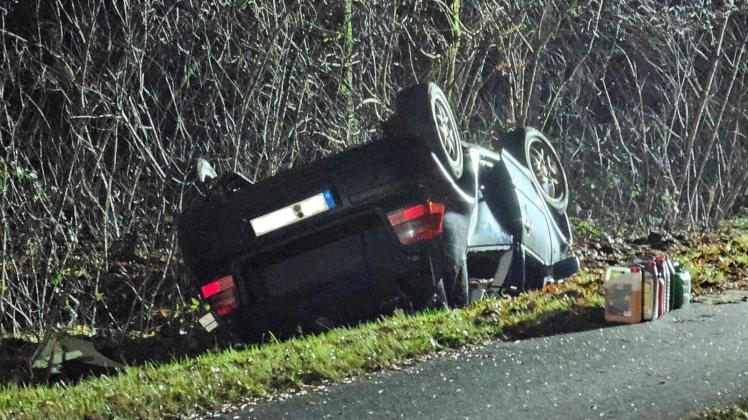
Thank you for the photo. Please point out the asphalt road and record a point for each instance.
(693, 358)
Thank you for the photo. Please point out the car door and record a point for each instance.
(492, 223)
(534, 228)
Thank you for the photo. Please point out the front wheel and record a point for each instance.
(533, 149)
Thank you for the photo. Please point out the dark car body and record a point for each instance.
(388, 222)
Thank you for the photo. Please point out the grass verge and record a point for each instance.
(206, 382)
(737, 411)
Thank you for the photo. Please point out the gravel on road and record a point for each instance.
(691, 359)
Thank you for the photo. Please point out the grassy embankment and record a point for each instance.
(719, 260)
(207, 382)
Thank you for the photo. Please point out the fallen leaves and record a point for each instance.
(717, 260)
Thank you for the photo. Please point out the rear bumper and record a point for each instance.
(347, 270)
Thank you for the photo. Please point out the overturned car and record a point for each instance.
(417, 216)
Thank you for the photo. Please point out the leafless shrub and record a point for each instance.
(106, 106)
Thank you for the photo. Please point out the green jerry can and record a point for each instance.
(681, 286)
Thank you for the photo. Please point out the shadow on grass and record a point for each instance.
(560, 322)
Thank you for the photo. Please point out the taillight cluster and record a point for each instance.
(220, 295)
(418, 223)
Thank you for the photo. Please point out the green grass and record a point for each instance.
(586, 227)
(737, 411)
(206, 382)
(719, 258)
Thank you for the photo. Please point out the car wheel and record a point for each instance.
(423, 112)
(547, 172)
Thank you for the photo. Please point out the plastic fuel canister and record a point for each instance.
(648, 296)
(623, 295)
(664, 273)
(661, 304)
(681, 286)
(650, 278)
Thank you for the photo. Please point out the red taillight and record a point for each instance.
(225, 308)
(214, 287)
(418, 223)
(220, 295)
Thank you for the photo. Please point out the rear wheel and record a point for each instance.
(423, 112)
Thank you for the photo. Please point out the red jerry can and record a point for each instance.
(650, 275)
(649, 299)
(663, 267)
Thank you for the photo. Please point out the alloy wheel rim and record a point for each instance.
(546, 169)
(447, 130)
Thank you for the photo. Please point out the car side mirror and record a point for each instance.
(565, 268)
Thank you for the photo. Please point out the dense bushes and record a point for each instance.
(106, 106)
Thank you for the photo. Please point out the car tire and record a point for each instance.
(423, 112)
(548, 173)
